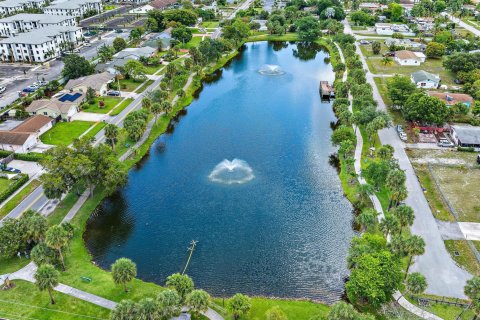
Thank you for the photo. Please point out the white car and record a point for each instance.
(403, 136)
(87, 44)
(2, 89)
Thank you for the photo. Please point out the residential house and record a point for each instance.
(162, 4)
(39, 45)
(388, 29)
(122, 57)
(75, 8)
(466, 136)
(99, 82)
(24, 137)
(406, 43)
(370, 6)
(451, 99)
(25, 22)
(62, 107)
(132, 1)
(425, 80)
(425, 23)
(409, 58)
(10, 7)
(163, 38)
(142, 10)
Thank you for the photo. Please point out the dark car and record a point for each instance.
(113, 93)
(389, 54)
(29, 89)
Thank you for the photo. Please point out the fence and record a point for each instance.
(422, 301)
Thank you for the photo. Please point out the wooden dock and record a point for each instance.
(326, 90)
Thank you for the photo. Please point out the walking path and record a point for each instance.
(27, 274)
(444, 277)
(376, 203)
(462, 24)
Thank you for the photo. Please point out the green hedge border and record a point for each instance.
(14, 187)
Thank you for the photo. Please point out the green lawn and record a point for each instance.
(63, 133)
(122, 106)
(466, 259)
(298, 310)
(15, 201)
(446, 312)
(150, 69)
(129, 85)
(96, 129)
(4, 183)
(430, 65)
(193, 43)
(25, 301)
(110, 102)
(210, 24)
(144, 86)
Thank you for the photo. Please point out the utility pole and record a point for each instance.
(193, 244)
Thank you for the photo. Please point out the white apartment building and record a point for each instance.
(75, 8)
(25, 22)
(39, 45)
(10, 7)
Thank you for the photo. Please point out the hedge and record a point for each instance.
(31, 156)
(466, 149)
(14, 187)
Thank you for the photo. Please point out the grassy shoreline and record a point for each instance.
(79, 261)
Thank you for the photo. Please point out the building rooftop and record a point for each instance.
(137, 52)
(422, 75)
(39, 36)
(160, 4)
(42, 18)
(94, 81)
(467, 134)
(451, 98)
(13, 138)
(72, 4)
(32, 124)
(53, 104)
(406, 54)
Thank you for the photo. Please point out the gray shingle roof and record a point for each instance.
(42, 18)
(39, 36)
(95, 81)
(422, 75)
(467, 134)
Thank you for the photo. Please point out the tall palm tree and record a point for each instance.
(146, 103)
(57, 238)
(367, 218)
(415, 246)
(125, 309)
(124, 270)
(147, 309)
(389, 224)
(111, 134)
(156, 110)
(46, 278)
(387, 61)
(405, 216)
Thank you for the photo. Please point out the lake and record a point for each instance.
(247, 172)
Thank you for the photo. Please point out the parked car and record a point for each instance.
(443, 142)
(10, 169)
(403, 136)
(478, 159)
(76, 50)
(119, 31)
(389, 54)
(87, 44)
(30, 89)
(2, 89)
(364, 42)
(113, 93)
(399, 128)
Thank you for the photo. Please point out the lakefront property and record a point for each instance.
(251, 160)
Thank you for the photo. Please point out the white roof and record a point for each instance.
(39, 36)
(42, 18)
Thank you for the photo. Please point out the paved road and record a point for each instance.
(462, 24)
(35, 201)
(243, 6)
(444, 277)
(52, 70)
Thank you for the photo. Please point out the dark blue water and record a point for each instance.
(285, 233)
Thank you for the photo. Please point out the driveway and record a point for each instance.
(444, 277)
(29, 167)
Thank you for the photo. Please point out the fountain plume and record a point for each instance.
(232, 172)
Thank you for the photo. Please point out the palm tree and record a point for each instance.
(124, 270)
(36, 226)
(405, 216)
(198, 301)
(111, 134)
(416, 283)
(46, 278)
(156, 110)
(147, 309)
(364, 191)
(57, 238)
(389, 224)
(125, 310)
(387, 61)
(367, 218)
(169, 304)
(415, 246)
(166, 107)
(239, 305)
(472, 291)
(146, 103)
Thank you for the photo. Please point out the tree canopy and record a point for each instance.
(421, 107)
(76, 66)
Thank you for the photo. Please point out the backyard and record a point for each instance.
(131, 85)
(377, 66)
(63, 133)
(109, 104)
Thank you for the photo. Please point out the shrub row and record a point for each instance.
(31, 156)
(14, 187)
